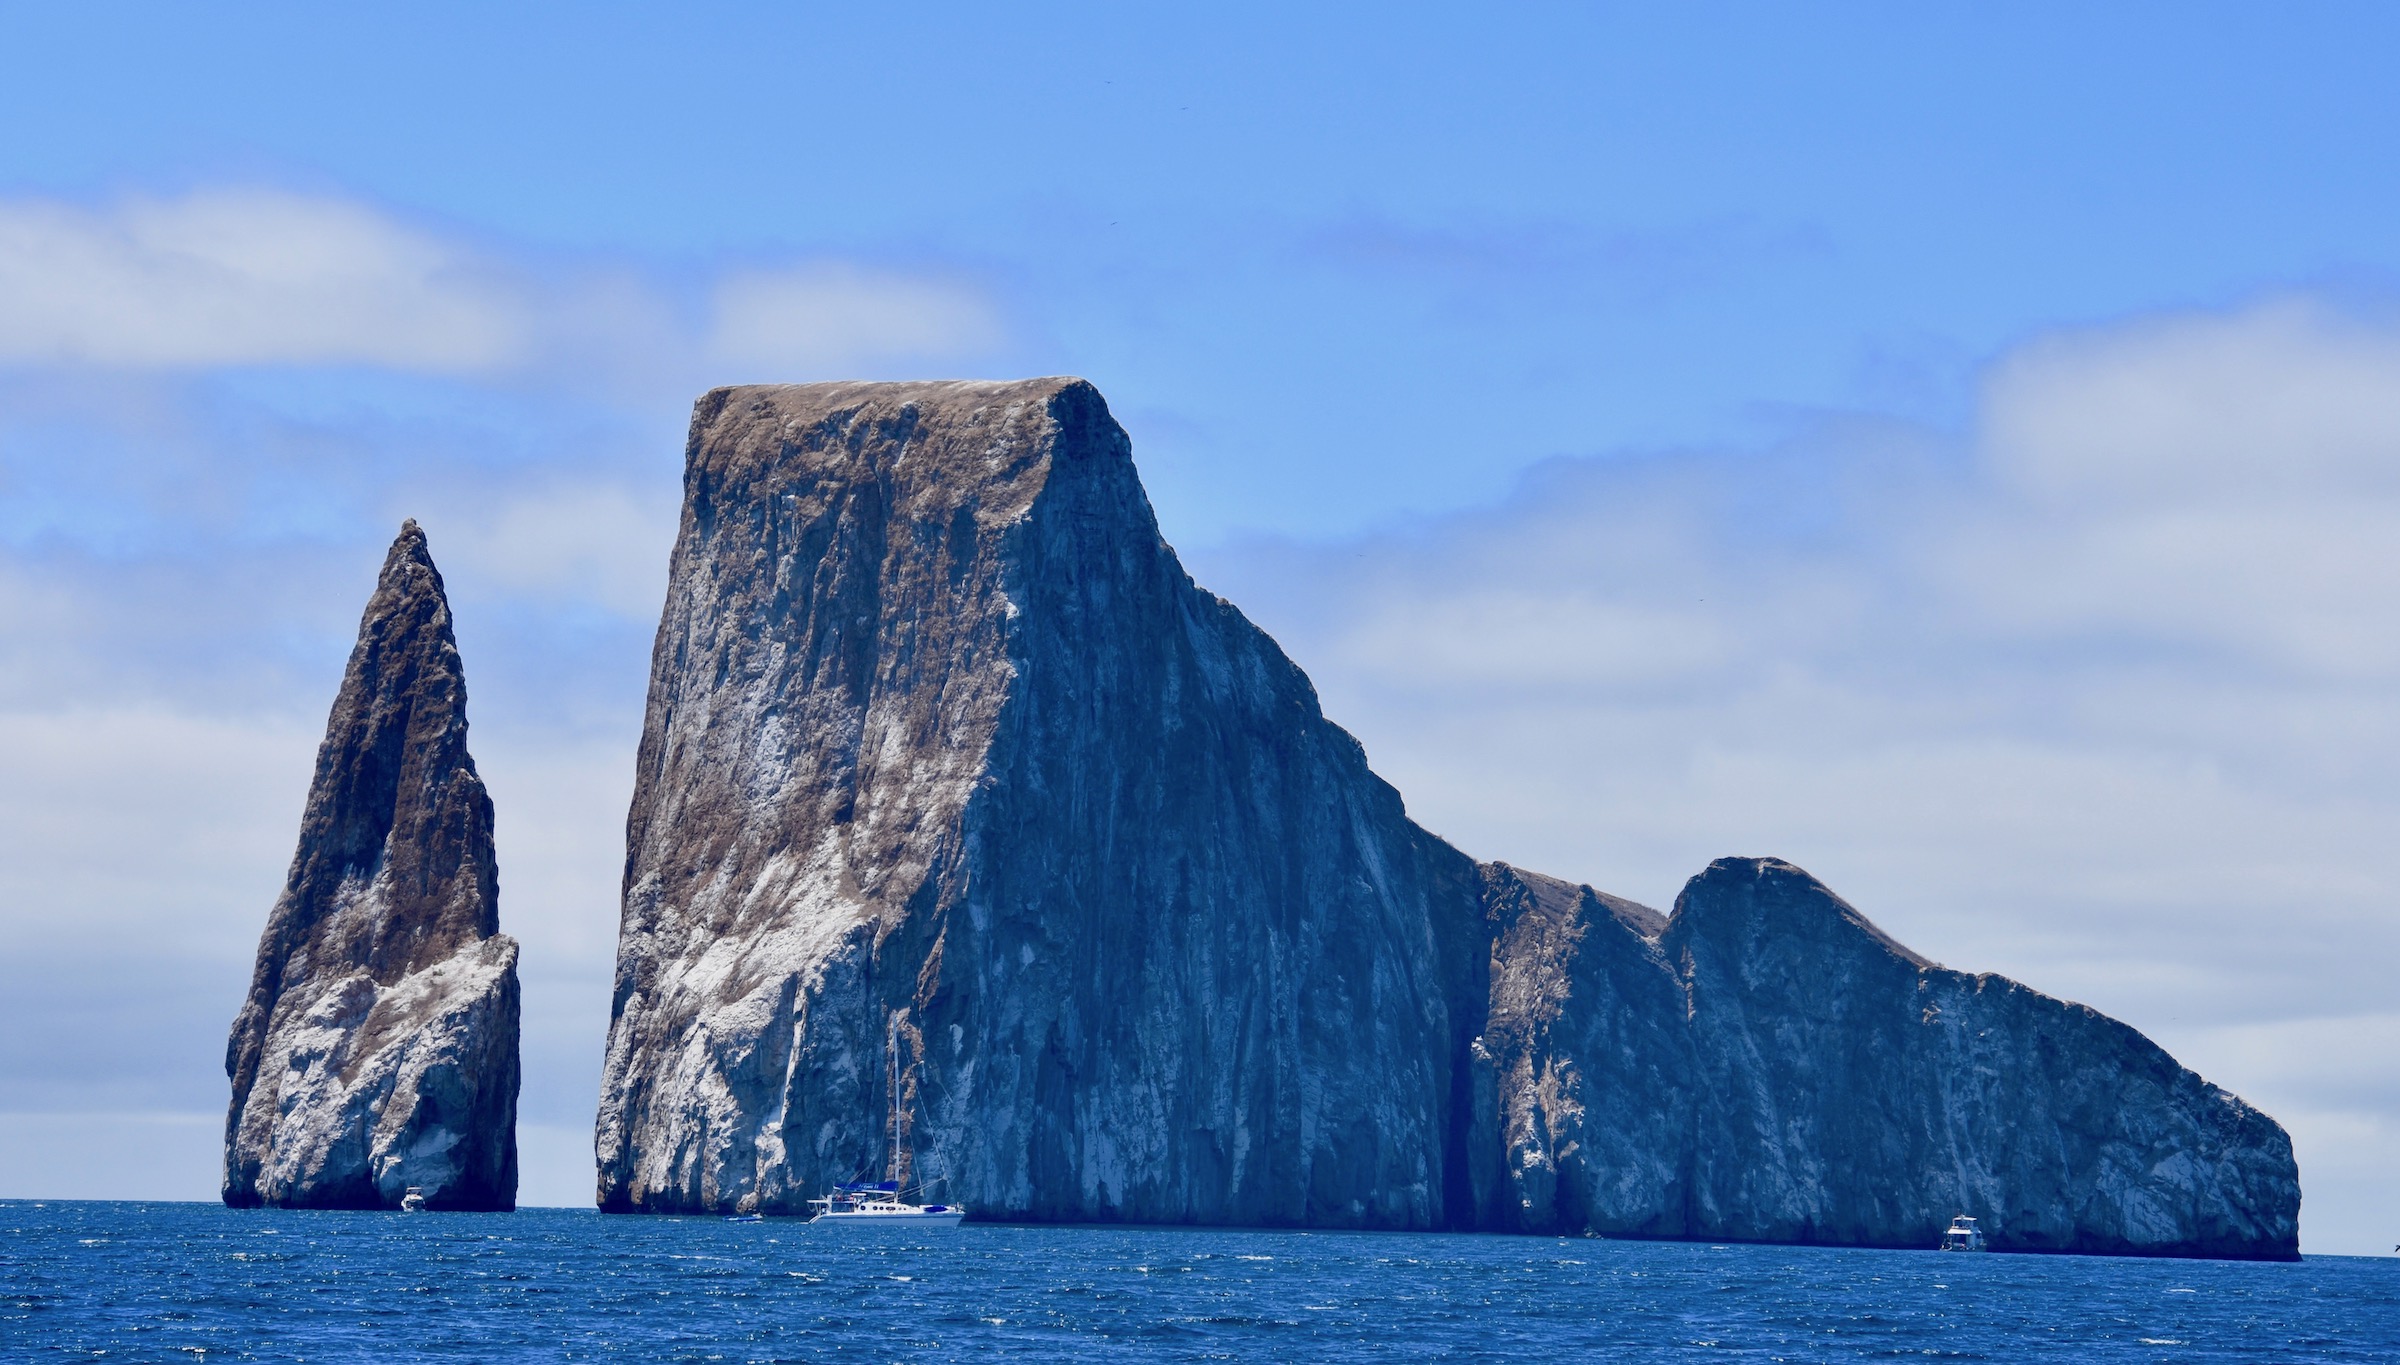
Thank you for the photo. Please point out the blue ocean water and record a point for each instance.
(193, 1282)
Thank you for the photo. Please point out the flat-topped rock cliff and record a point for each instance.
(940, 731)
(950, 771)
(377, 1051)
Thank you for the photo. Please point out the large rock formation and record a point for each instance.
(951, 772)
(378, 1048)
(939, 729)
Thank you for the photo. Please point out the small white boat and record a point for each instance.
(414, 1200)
(880, 1201)
(1963, 1235)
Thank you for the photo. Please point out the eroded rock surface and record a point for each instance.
(1584, 1065)
(1769, 1066)
(939, 729)
(944, 746)
(378, 1048)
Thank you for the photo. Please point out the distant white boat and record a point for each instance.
(880, 1201)
(1963, 1236)
(413, 1201)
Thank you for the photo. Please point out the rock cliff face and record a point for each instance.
(1584, 1067)
(378, 1048)
(951, 771)
(941, 733)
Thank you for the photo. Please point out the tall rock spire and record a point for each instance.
(377, 1051)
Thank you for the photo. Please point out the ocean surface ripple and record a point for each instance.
(123, 1281)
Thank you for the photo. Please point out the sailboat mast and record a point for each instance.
(891, 1147)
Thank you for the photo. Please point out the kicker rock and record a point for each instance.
(378, 1048)
(954, 785)
(943, 740)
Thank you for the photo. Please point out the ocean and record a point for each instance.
(196, 1282)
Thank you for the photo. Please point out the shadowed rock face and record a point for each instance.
(1769, 1066)
(950, 769)
(1851, 1091)
(378, 1048)
(1584, 1069)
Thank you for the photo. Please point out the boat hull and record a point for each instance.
(946, 1219)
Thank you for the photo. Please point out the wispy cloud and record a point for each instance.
(237, 277)
(248, 278)
(601, 544)
(819, 317)
(2219, 483)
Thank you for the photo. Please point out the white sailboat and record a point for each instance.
(880, 1201)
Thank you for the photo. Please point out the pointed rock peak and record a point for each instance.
(406, 550)
(408, 572)
(409, 545)
(397, 800)
(384, 998)
(1747, 897)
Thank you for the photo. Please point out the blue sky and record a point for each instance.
(1641, 226)
(1950, 446)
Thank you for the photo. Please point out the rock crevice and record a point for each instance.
(1767, 1065)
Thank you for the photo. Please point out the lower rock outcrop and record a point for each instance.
(1769, 1066)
